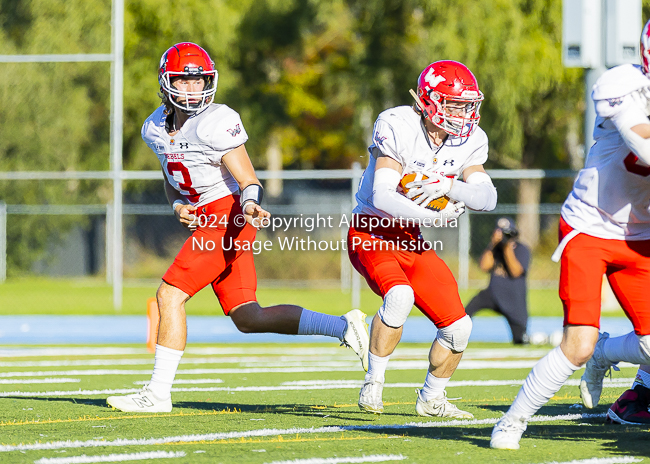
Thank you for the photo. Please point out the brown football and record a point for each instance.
(436, 205)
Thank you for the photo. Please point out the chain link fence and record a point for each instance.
(305, 246)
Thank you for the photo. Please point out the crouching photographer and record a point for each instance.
(507, 260)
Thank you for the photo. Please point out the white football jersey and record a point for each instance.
(611, 195)
(191, 159)
(400, 134)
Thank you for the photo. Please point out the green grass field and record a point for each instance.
(288, 404)
(94, 296)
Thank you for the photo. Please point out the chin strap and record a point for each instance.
(418, 101)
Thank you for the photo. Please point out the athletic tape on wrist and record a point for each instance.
(253, 192)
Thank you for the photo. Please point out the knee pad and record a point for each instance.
(455, 337)
(644, 346)
(397, 305)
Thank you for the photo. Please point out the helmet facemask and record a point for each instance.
(187, 60)
(194, 101)
(458, 116)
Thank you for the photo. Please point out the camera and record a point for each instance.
(510, 233)
(508, 229)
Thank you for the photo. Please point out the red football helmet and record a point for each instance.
(448, 95)
(187, 59)
(645, 49)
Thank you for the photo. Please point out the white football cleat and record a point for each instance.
(143, 401)
(356, 335)
(439, 407)
(591, 382)
(507, 432)
(370, 397)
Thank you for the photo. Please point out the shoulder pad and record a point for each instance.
(401, 113)
(219, 127)
(156, 119)
(618, 82)
(400, 118)
(479, 136)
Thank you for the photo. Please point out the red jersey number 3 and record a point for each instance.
(186, 185)
(632, 166)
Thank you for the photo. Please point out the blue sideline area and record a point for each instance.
(34, 330)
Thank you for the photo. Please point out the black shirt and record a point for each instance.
(508, 291)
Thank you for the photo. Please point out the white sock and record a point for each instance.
(164, 370)
(544, 381)
(313, 323)
(642, 378)
(624, 348)
(377, 368)
(433, 387)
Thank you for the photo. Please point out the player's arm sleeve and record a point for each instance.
(478, 191)
(386, 198)
(223, 131)
(385, 140)
(625, 113)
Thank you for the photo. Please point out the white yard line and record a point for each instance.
(285, 350)
(613, 460)
(29, 381)
(273, 432)
(93, 372)
(371, 458)
(495, 353)
(326, 385)
(112, 457)
(284, 368)
(184, 382)
(253, 363)
(81, 351)
(97, 372)
(112, 351)
(473, 353)
(79, 362)
(282, 361)
(608, 383)
(279, 367)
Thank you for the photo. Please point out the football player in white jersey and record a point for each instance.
(423, 151)
(200, 146)
(604, 229)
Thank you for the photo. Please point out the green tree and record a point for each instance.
(54, 115)
(308, 75)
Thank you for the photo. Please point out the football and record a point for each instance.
(436, 205)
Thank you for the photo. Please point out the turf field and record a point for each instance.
(288, 404)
